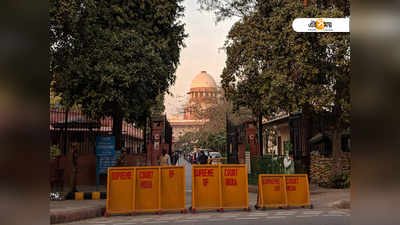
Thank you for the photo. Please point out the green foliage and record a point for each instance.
(288, 147)
(54, 152)
(114, 57)
(341, 181)
(267, 164)
(272, 69)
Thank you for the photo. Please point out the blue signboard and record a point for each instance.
(106, 156)
(105, 145)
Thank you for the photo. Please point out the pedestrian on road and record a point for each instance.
(165, 160)
(203, 158)
(174, 158)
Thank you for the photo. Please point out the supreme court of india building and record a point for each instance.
(203, 93)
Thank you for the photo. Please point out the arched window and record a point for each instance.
(207, 94)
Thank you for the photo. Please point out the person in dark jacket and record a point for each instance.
(203, 158)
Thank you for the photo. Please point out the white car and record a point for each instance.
(214, 155)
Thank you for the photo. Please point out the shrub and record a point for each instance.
(265, 165)
(341, 181)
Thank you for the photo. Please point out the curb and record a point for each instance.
(86, 195)
(75, 215)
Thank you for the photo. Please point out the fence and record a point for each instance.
(72, 126)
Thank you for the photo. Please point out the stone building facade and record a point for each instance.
(203, 93)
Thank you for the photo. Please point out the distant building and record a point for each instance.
(202, 94)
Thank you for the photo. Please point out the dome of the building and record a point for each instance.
(203, 80)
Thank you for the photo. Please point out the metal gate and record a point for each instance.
(235, 135)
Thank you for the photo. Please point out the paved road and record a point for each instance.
(289, 217)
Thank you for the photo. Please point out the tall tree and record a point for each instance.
(114, 57)
(272, 69)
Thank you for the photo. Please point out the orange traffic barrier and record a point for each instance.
(120, 190)
(173, 193)
(298, 190)
(147, 195)
(271, 191)
(219, 187)
(145, 189)
(206, 191)
(283, 190)
(234, 186)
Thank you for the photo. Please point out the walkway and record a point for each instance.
(188, 170)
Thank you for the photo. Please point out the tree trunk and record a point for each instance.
(117, 127)
(336, 151)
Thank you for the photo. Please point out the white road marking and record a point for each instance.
(275, 217)
(248, 218)
(334, 215)
(305, 216)
(312, 212)
(284, 213)
(220, 219)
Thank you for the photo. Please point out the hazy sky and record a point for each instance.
(202, 52)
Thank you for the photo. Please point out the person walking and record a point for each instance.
(203, 158)
(165, 160)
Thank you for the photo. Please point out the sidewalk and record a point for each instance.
(73, 210)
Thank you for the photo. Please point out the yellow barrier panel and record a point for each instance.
(148, 190)
(206, 187)
(120, 190)
(298, 191)
(95, 195)
(271, 191)
(219, 187)
(173, 193)
(145, 189)
(78, 195)
(283, 190)
(234, 186)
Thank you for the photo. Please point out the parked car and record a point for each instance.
(206, 152)
(214, 158)
(214, 155)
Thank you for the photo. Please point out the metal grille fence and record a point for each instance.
(73, 127)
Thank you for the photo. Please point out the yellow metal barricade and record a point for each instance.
(219, 187)
(283, 190)
(145, 189)
(173, 193)
(120, 190)
(206, 187)
(147, 194)
(234, 186)
(271, 191)
(297, 189)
